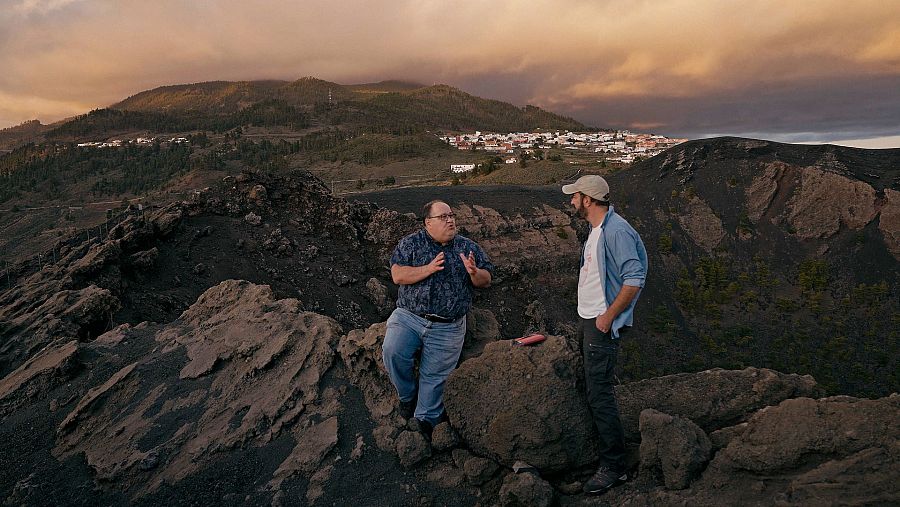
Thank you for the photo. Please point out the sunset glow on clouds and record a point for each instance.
(822, 69)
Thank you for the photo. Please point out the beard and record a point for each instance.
(581, 210)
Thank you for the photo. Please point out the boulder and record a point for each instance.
(377, 293)
(444, 437)
(481, 328)
(830, 451)
(525, 490)
(712, 399)
(523, 403)
(145, 259)
(360, 351)
(166, 219)
(672, 447)
(412, 448)
(788, 436)
(479, 470)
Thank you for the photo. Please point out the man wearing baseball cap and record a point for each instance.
(613, 270)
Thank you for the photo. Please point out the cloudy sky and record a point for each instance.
(798, 70)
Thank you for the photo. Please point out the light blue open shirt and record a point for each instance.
(622, 257)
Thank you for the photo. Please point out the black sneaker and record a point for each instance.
(603, 480)
(425, 428)
(408, 409)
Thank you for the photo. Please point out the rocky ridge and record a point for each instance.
(155, 366)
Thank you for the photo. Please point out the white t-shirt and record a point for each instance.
(591, 282)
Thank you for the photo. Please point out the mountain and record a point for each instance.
(388, 105)
(307, 104)
(29, 131)
(385, 87)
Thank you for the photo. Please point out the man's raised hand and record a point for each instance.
(469, 263)
(436, 264)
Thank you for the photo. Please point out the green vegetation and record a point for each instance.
(103, 122)
(848, 339)
(665, 240)
(364, 148)
(405, 110)
(53, 170)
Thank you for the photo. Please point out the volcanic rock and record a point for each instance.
(258, 193)
(839, 450)
(762, 189)
(412, 448)
(889, 223)
(378, 295)
(481, 328)
(444, 437)
(361, 353)
(253, 219)
(702, 224)
(825, 200)
(165, 220)
(38, 375)
(448, 476)
(526, 490)
(523, 403)
(543, 234)
(674, 447)
(145, 259)
(479, 470)
(35, 322)
(722, 437)
(247, 367)
(712, 399)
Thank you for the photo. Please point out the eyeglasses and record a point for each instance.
(446, 217)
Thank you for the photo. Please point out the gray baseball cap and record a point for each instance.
(591, 186)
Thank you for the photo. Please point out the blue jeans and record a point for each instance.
(440, 344)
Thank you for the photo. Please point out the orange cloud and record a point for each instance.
(59, 53)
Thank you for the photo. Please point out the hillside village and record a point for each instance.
(117, 143)
(618, 146)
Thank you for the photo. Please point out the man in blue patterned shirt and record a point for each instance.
(437, 271)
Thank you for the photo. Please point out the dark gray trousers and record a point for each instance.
(600, 352)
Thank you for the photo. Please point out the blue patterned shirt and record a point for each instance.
(447, 293)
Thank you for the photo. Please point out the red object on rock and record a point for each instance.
(530, 340)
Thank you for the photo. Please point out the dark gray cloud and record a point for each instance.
(840, 108)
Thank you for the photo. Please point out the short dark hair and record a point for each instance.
(595, 201)
(426, 210)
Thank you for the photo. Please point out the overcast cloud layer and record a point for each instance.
(798, 71)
